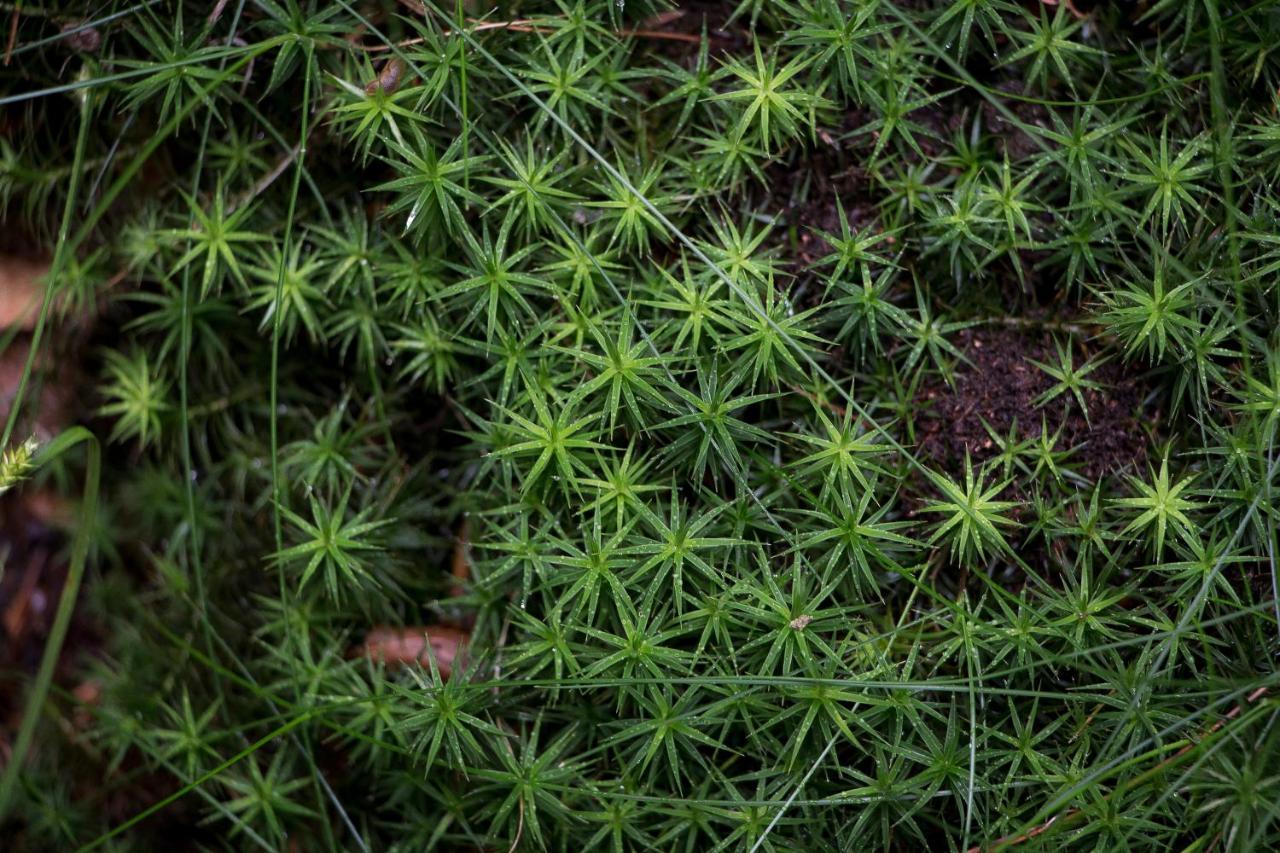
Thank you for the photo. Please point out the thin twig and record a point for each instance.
(248, 69)
(1070, 6)
(13, 33)
(266, 180)
(530, 25)
(280, 167)
(515, 842)
(794, 793)
(835, 408)
(661, 35)
(497, 653)
(1073, 814)
(217, 12)
(518, 26)
(461, 568)
(1047, 325)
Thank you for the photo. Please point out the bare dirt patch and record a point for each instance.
(1001, 385)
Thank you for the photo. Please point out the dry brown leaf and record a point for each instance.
(21, 288)
(394, 645)
(50, 401)
(461, 569)
(661, 19)
(49, 509)
(27, 599)
(88, 695)
(1071, 7)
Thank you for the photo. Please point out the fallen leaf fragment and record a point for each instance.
(88, 695)
(417, 644)
(21, 288)
(51, 401)
(80, 37)
(50, 509)
(662, 19)
(461, 567)
(26, 599)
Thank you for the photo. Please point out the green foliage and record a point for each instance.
(332, 545)
(973, 515)
(136, 397)
(15, 464)
(771, 107)
(1067, 378)
(1161, 507)
(651, 354)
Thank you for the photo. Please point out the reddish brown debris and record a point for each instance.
(80, 38)
(51, 390)
(21, 288)
(388, 79)
(461, 569)
(88, 695)
(394, 645)
(26, 599)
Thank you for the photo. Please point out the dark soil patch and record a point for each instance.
(1010, 138)
(1001, 384)
(807, 192)
(804, 189)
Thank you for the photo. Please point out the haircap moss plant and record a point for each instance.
(638, 348)
(15, 464)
